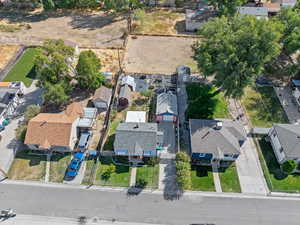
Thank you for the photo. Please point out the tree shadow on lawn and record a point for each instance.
(119, 168)
(202, 101)
(109, 144)
(201, 171)
(33, 159)
(59, 156)
(271, 161)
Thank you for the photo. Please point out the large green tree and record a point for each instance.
(235, 50)
(88, 70)
(226, 7)
(55, 94)
(291, 35)
(53, 69)
(123, 6)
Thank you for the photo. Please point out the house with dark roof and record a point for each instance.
(285, 141)
(166, 107)
(215, 142)
(101, 98)
(137, 140)
(125, 95)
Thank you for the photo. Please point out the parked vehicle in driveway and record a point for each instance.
(75, 165)
(84, 141)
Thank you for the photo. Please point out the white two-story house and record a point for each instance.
(285, 141)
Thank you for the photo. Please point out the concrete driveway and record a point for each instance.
(169, 142)
(9, 144)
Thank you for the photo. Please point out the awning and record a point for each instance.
(149, 153)
(121, 152)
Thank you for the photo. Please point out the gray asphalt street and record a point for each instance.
(147, 208)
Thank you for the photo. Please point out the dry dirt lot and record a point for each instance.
(157, 54)
(6, 53)
(109, 58)
(86, 29)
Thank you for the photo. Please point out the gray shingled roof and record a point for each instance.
(136, 137)
(289, 138)
(103, 93)
(166, 102)
(205, 138)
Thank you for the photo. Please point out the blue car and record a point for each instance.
(75, 165)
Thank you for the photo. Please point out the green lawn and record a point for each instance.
(276, 179)
(149, 174)
(263, 107)
(27, 166)
(119, 178)
(230, 180)
(204, 102)
(58, 165)
(202, 179)
(23, 70)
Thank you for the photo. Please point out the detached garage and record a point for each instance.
(166, 107)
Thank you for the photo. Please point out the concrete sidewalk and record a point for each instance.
(46, 220)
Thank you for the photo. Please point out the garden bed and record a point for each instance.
(263, 107)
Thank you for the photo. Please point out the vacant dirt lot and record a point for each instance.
(154, 54)
(109, 58)
(86, 29)
(6, 53)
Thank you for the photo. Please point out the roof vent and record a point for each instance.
(219, 125)
(207, 133)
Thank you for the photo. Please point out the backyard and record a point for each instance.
(205, 102)
(276, 179)
(160, 21)
(23, 70)
(263, 107)
(118, 178)
(230, 180)
(158, 54)
(28, 166)
(149, 174)
(58, 166)
(202, 179)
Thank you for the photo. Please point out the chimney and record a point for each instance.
(219, 125)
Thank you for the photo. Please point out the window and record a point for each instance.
(201, 154)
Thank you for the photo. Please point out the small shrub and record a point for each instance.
(31, 111)
(147, 93)
(182, 156)
(289, 166)
(21, 132)
(152, 161)
(108, 172)
(141, 183)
